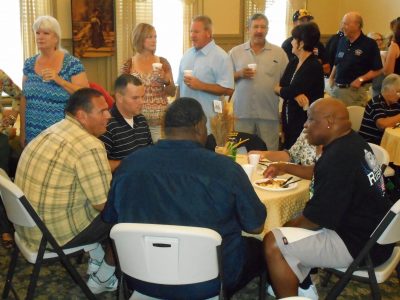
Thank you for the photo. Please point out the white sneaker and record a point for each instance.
(93, 266)
(97, 286)
(311, 292)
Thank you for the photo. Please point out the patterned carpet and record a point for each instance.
(55, 283)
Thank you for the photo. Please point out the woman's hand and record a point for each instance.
(302, 100)
(274, 170)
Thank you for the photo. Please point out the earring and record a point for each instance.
(329, 127)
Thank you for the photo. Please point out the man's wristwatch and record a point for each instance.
(361, 79)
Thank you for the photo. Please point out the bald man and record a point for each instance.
(357, 62)
(346, 205)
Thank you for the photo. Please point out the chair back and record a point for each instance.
(392, 232)
(11, 196)
(356, 114)
(382, 156)
(167, 254)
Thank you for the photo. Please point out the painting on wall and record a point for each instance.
(93, 30)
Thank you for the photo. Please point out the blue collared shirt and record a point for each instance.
(210, 64)
(182, 183)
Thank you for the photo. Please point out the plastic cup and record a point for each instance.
(188, 72)
(252, 66)
(248, 168)
(254, 159)
(157, 66)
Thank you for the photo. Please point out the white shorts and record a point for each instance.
(324, 248)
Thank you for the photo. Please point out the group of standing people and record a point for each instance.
(66, 125)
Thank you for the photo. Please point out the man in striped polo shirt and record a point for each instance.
(382, 111)
(127, 130)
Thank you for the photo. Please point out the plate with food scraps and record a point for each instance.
(274, 184)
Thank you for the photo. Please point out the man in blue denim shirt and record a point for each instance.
(179, 182)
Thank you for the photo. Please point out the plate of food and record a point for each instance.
(274, 184)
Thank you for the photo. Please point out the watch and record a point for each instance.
(361, 79)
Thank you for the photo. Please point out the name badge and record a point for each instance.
(217, 106)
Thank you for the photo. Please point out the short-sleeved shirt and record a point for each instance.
(348, 194)
(63, 172)
(182, 183)
(255, 98)
(45, 101)
(376, 108)
(355, 59)
(121, 139)
(319, 50)
(210, 64)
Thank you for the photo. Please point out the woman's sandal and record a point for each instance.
(7, 240)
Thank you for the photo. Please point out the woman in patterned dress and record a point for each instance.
(49, 78)
(159, 84)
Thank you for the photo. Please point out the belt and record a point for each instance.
(342, 85)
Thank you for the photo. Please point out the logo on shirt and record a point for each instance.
(374, 175)
(340, 54)
(358, 52)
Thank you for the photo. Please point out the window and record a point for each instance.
(167, 19)
(11, 57)
(166, 16)
(276, 11)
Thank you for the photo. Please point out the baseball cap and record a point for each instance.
(301, 13)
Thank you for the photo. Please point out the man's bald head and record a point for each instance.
(352, 24)
(328, 119)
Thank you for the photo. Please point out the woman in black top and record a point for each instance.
(392, 62)
(302, 82)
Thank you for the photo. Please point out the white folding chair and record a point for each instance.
(21, 213)
(356, 114)
(387, 232)
(383, 159)
(167, 254)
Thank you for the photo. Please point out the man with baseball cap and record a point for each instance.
(303, 16)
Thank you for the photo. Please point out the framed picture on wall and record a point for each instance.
(93, 30)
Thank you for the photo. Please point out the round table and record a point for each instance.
(281, 206)
(391, 142)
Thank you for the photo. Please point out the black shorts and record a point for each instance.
(96, 232)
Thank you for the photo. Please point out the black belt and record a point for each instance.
(342, 85)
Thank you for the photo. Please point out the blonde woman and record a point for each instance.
(49, 78)
(158, 82)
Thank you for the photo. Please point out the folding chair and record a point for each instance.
(383, 158)
(20, 212)
(361, 269)
(167, 254)
(356, 114)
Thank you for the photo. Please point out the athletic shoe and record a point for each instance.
(93, 266)
(97, 286)
(310, 293)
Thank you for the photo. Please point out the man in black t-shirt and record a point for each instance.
(347, 203)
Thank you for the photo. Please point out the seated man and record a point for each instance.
(347, 203)
(65, 175)
(382, 111)
(179, 182)
(127, 129)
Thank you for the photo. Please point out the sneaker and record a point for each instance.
(310, 293)
(93, 266)
(97, 286)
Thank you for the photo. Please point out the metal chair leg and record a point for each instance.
(10, 272)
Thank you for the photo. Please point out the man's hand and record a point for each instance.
(248, 73)
(356, 83)
(192, 82)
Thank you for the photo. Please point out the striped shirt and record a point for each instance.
(376, 109)
(121, 139)
(64, 171)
